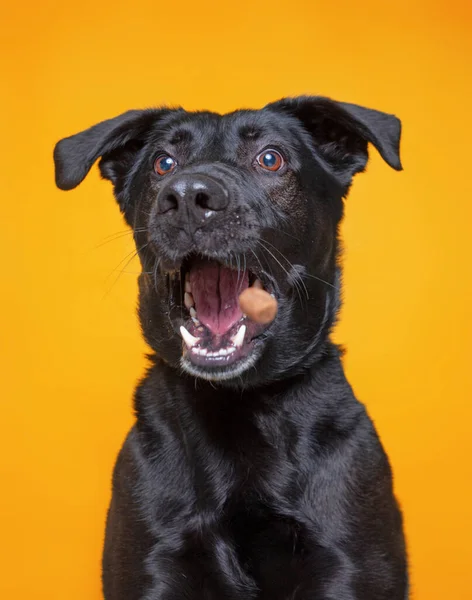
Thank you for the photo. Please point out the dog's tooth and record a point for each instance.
(189, 340)
(230, 349)
(193, 314)
(258, 284)
(188, 300)
(188, 286)
(239, 337)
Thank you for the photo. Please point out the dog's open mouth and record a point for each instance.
(215, 332)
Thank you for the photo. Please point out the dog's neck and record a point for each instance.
(165, 384)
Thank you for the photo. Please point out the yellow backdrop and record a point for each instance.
(70, 348)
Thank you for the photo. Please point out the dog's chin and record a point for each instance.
(224, 373)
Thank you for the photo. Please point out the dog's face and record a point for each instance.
(220, 203)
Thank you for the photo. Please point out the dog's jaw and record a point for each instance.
(218, 341)
(228, 373)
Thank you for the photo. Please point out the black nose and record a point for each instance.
(191, 199)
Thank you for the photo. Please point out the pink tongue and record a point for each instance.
(215, 291)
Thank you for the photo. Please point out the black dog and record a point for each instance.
(252, 471)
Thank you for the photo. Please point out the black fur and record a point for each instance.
(265, 480)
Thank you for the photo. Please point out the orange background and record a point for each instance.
(70, 349)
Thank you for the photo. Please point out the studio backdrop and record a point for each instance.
(70, 346)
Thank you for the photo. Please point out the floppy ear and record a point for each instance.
(116, 140)
(341, 132)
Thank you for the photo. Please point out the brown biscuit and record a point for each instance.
(258, 305)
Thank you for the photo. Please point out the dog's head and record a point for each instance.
(218, 203)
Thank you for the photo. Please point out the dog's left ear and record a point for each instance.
(341, 132)
(116, 141)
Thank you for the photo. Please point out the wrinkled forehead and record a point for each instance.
(210, 136)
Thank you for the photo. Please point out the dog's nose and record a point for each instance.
(192, 198)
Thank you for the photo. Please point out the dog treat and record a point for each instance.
(258, 305)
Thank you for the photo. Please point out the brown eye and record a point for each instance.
(164, 164)
(271, 160)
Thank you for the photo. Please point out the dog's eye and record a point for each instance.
(271, 160)
(164, 164)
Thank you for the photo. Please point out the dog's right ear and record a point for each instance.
(116, 140)
(341, 132)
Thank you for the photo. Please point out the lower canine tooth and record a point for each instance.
(189, 340)
(258, 284)
(239, 337)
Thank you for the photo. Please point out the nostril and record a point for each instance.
(203, 200)
(169, 202)
(172, 202)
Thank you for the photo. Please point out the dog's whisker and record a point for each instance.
(122, 270)
(130, 256)
(245, 267)
(268, 265)
(238, 264)
(120, 233)
(257, 258)
(304, 274)
(146, 253)
(181, 295)
(114, 238)
(157, 262)
(284, 233)
(297, 276)
(133, 253)
(296, 284)
(319, 279)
